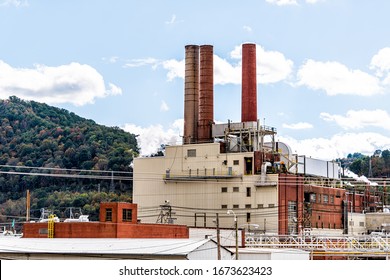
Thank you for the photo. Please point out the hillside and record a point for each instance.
(59, 146)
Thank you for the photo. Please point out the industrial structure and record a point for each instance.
(239, 166)
(117, 220)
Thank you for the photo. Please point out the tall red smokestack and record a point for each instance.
(191, 94)
(249, 84)
(206, 94)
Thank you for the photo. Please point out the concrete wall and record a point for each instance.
(195, 202)
(374, 221)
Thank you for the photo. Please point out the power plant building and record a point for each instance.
(237, 166)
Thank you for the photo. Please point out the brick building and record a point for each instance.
(117, 220)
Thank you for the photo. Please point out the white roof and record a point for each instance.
(120, 246)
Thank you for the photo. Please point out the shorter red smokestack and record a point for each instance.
(249, 84)
(191, 94)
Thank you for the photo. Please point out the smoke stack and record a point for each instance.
(249, 84)
(191, 94)
(206, 94)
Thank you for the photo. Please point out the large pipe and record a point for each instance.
(206, 94)
(249, 84)
(191, 94)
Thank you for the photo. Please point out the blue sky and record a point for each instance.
(323, 65)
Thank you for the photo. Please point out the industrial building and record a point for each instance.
(239, 166)
(117, 220)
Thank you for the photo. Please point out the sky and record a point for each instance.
(323, 66)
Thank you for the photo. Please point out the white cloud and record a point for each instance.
(298, 126)
(114, 90)
(74, 83)
(173, 20)
(283, 2)
(335, 78)
(15, 3)
(247, 28)
(291, 2)
(175, 68)
(112, 59)
(338, 146)
(225, 72)
(142, 62)
(314, 1)
(164, 106)
(360, 119)
(381, 61)
(150, 138)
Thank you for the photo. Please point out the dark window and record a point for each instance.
(260, 206)
(127, 215)
(191, 153)
(248, 206)
(224, 206)
(235, 206)
(236, 189)
(248, 217)
(271, 205)
(236, 162)
(108, 215)
(224, 189)
(248, 192)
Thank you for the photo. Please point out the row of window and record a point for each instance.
(126, 215)
(321, 198)
(248, 206)
(237, 189)
(192, 153)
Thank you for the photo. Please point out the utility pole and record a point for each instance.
(230, 212)
(218, 238)
(28, 206)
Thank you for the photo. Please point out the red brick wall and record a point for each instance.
(290, 189)
(107, 230)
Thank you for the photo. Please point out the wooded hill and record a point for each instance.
(66, 153)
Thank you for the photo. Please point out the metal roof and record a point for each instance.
(173, 247)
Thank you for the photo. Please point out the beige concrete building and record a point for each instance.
(195, 182)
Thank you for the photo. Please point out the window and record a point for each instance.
(326, 198)
(224, 189)
(236, 189)
(224, 206)
(127, 215)
(248, 217)
(260, 206)
(248, 192)
(109, 215)
(332, 199)
(292, 217)
(43, 231)
(236, 206)
(319, 198)
(361, 224)
(313, 197)
(248, 206)
(271, 205)
(236, 162)
(191, 153)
